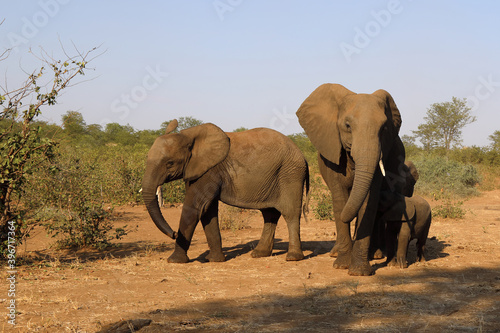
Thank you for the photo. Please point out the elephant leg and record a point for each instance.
(210, 222)
(196, 204)
(294, 244)
(265, 246)
(360, 266)
(422, 239)
(189, 220)
(335, 178)
(378, 241)
(199, 199)
(420, 250)
(334, 252)
(391, 241)
(403, 241)
(343, 242)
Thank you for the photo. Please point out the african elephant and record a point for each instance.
(412, 176)
(355, 133)
(259, 169)
(408, 218)
(378, 239)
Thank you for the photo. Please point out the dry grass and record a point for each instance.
(456, 290)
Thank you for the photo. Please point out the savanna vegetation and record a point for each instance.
(92, 169)
(69, 177)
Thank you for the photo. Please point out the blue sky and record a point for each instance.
(252, 63)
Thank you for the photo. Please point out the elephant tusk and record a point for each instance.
(381, 164)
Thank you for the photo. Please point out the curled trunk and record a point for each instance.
(151, 202)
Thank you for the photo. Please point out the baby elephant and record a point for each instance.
(408, 218)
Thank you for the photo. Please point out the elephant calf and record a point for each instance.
(259, 169)
(408, 218)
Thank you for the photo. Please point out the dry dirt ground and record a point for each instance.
(456, 290)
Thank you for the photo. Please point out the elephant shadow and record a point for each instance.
(280, 248)
(434, 250)
(123, 250)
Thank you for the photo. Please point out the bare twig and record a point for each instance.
(24, 148)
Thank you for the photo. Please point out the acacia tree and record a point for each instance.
(241, 129)
(22, 148)
(74, 125)
(444, 123)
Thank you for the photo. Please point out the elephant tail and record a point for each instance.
(305, 204)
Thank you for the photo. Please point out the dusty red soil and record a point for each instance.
(456, 290)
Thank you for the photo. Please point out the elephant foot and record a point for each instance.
(361, 269)
(216, 257)
(377, 254)
(294, 256)
(342, 262)
(392, 263)
(261, 253)
(421, 258)
(402, 263)
(334, 251)
(178, 258)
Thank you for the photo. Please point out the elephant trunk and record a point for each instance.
(366, 164)
(151, 201)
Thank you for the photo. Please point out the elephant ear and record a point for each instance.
(171, 126)
(209, 147)
(318, 116)
(391, 108)
(409, 209)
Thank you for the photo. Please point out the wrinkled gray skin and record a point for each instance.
(352, 133)
(259, 169)
(409, 218)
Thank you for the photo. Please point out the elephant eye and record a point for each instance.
(348, 127)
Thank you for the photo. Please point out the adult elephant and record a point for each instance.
(260, 169)
(354, 133)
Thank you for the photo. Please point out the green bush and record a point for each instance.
(174, 192)
(308, 149)
(442, 177)
(324, 207)
(490, 177)
(233, 218)
(86, 226)
(71, 192)
(450, 209)
(476, 155)
(122, 171)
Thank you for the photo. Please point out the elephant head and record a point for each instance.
(363, 126)
(188, 154)
(412, 176)
(402, 210)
